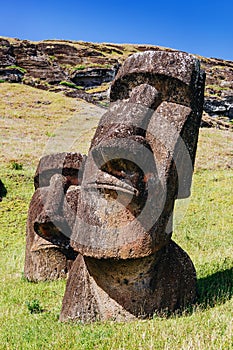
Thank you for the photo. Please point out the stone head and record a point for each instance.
(141, 157)
(57, 181)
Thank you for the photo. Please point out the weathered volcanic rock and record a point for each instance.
(223, 107)
(219, 78)
(129, 138)
(37, 64)
(6, 54)
(63, 53)
(140, 161)
(93, 76)
(51, 62)
(52, 214)
(66, 53)
(66, 164)
(12, 75)
(124, 290)
(44, 260)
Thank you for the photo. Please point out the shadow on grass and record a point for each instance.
(215, 289)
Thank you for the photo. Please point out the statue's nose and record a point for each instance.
(50, 223)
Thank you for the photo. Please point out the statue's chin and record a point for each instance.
(106, 228)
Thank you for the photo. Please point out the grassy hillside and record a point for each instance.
(31, 121)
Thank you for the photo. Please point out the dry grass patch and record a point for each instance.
(30, 118)
(215, 149)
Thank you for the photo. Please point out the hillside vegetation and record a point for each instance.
(31, 122)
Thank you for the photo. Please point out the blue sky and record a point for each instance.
(203, 27)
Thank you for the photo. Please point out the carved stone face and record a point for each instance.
(140, 158)
(57, 179)
(120, 196)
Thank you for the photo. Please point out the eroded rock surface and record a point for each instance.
(140, 161)
(52, 213)
(122, 290)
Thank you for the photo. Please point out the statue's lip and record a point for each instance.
(124, 188)
(107, 181)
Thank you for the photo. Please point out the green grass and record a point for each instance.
(22, 70)
(52, 58)
(91, 65)
(71, 85)
(205, 233)
(80, 67)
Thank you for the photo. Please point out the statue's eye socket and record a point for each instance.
(118, 167)
(124, 170)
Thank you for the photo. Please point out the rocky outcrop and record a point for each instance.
(37, 64)
(219, 107)
(218, 103)
(93, 76)
(6, 53)
(219, 78)
(12, 75)
(67, 66)
(52, 63)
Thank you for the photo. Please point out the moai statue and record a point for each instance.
(140, 161)
(52, 210)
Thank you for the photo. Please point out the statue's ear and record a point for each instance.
(186, 147)
(172, 134)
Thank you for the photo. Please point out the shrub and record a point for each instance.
(80, 67)
(16, 166)
(50, 134)
(71, 85)
(34, 306)
(52, 58)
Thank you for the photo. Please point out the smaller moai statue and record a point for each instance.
(52, 210)
(140, 161)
